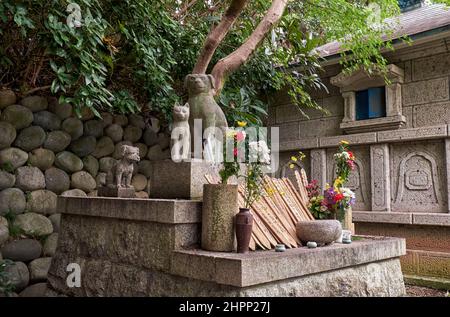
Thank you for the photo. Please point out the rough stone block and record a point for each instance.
(433, 219)
(116, 192)
(380, 180)
(382, 217)
(431, 114)
(238, 269)
(438, 131)
(182, 180)
(303, 143)
(353, 139)
(426, 91)
(418, 237)
(289, 131)
(320, 127)
(433, 264)
(431, 67)
(152, 210)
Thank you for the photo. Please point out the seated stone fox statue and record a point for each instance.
(202, 104)
(122, 171)
(180, 138)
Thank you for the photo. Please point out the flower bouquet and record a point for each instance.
(336, 200)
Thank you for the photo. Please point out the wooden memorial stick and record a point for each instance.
(273, 224)
(285, 208)
(304, 213)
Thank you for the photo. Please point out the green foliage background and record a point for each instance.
(131, 53)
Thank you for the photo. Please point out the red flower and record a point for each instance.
(350, 153)
(338, 197)
(235, 152)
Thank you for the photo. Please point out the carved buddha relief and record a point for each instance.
(418, 186)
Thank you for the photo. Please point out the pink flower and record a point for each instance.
(351, 164)
(235, 152)
(240, 136)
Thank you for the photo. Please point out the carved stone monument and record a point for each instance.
(118, 179)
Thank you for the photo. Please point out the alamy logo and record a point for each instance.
(74, 277)
(216, 145)
(74, 18)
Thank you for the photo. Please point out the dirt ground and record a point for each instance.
(419, 291)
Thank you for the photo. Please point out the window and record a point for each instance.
(371, 103)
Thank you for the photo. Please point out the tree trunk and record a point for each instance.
(216, 36)
(232, 62)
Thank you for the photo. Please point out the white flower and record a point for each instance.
(259, 152)
(347, 192)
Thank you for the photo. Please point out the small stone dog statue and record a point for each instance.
(181, 136)
(121, 173)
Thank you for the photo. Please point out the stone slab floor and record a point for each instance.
(419, 291)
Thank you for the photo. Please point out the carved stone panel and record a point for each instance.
(447, 164)
(319, 166)
(380, 178)
(418, 177)
(359, 180)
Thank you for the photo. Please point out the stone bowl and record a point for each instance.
(320, 231)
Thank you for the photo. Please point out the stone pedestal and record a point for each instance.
(184, 180)
(120, 192)
(137, 247)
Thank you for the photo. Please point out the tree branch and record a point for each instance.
(217, 34)
(31, 91)
(232, 62)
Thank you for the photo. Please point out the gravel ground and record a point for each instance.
(419, 291)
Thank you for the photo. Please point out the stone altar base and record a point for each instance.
(178, 180)
(120, 192)
(146, 247)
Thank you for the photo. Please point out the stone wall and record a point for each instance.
(402, 174)
(421, 143)
(46, 151)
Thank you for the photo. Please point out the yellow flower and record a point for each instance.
(242, 123)
(338, 182)
(327, 186)
(293, 158)
(302, 155)
(344, 142)
(231, 133)
(291, 166)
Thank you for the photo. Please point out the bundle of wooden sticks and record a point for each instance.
(277, 212)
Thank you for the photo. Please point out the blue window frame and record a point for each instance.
(371, 103)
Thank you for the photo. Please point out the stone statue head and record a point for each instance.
(199, 83)
(130, 153)
(180, 113)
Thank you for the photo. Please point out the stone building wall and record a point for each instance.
(46, 151)
(401, 179)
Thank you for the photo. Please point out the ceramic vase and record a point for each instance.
(244, 225)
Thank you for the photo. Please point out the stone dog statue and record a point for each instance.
(181, 135)
(202, 104)
(121, 173)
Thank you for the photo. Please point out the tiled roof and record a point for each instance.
(410, 23)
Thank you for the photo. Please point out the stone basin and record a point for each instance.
(320, 231)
